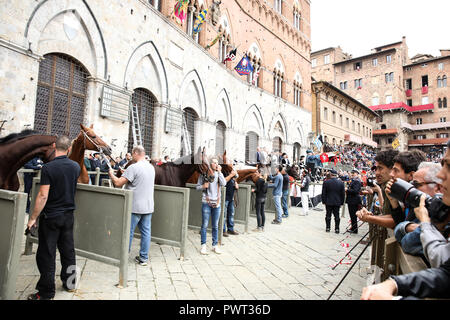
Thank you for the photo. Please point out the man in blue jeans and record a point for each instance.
(231, 187)
(277, 186)
(285, 193)
(139, 177)
(211, 206)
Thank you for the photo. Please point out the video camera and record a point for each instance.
(370, 181)
(405, 192)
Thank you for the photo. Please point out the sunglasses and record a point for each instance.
(418, 184)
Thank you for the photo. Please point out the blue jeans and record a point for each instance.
(284, 202)
(279, 211)
(214, 213)
(144, 222)
(228, 216)
(409, 241)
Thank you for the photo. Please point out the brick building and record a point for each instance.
(409, 94)
(68, 62)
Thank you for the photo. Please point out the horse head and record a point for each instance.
(93, 142)
(293, 171)
(203, 165)
(226, 165)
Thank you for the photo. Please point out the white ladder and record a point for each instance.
(187, 140)
(136, 128)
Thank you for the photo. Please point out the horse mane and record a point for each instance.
(17, 136)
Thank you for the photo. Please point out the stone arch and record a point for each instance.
(253, 121)
(47, 14)
(222, 109)
(279, 118)
(192, 94)
(146, 57)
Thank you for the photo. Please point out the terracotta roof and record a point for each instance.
(384, 132)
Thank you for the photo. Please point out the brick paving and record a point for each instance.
(291, 261)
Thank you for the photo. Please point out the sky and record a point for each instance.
(358, 26)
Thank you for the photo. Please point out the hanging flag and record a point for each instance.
(324, 157)
(395, 144)
(255, 76)
(180, 10)
(231, 55)
(318, 143)
(199, 21)
(244, 66)
(214, 41)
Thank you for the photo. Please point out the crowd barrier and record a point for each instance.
(12, 225)
(101, 227)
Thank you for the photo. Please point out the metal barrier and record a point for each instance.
(195, 210)
(12, 225)
(170, 217)
(243, 205)
(102, 225)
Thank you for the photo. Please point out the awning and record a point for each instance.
(427, 142)
(360, 140)
(381, 132)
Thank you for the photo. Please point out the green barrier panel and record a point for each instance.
(102, 225)
(269, 206)
(170, 218)
(12, 227)
(195, 210)
(243, 201)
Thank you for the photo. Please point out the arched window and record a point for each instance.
(297, 94)
(278, 83)
(254, 78)
(444, 103)
(251, 144)
(444, 81)
(145, 102)
(383, 126)
(224, 44)
(61, 95)
(439, 82)
(192, 14)
(277, 144)
(440, 103)
(156, 4)
(220, 137)
(188, 131)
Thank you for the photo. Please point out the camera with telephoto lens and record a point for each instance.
(406, 193)
(370, 181)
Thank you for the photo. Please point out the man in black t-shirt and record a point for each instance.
(285, 195)
(54, 207)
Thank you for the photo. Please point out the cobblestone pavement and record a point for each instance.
(291, 261)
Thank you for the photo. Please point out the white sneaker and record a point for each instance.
(216, 249)
(204, 250)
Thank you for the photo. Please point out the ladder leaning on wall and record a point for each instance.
(136, 128)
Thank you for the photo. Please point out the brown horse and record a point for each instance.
(227, 167)
(87, 139)
(177, 173)
(17, 149)
(251, 174)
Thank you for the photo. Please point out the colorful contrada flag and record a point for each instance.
(395, 144)
(180, 10)
(244, 66)
(231, 55)
(324, 157)
(214, 41)
(199, 21)
(318, 142)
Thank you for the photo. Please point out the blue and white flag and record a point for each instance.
(318, 142)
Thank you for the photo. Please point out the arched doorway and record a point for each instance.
(145, 102)
(61, 95)
(188, 131)
(251, 144)
(277, 144)
(220, 137)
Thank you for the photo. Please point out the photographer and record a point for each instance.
(404, 165)
(407, 233)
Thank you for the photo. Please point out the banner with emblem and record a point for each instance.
(244, 66)
(395, 143)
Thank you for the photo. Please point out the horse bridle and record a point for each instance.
(99, 148)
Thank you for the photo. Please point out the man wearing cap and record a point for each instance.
(354, 199)
(95, 163)
(333, 196)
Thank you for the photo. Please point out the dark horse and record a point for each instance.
(227, 167)
(17, 149)
(87, 139)
(178, 172)
(251, 175)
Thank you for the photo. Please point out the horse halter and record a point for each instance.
(99, 148)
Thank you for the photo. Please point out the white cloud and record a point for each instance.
(361, 25)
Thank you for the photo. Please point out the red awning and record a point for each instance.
(401, 105)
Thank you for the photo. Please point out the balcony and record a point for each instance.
(409, 93)
(425, 90)
(427, 142)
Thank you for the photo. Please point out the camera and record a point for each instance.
(405, 192)
(371, 181)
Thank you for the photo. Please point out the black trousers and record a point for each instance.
(55, 233)
(352, 209)
(260, 215)
(28, 184)
(332, 210)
